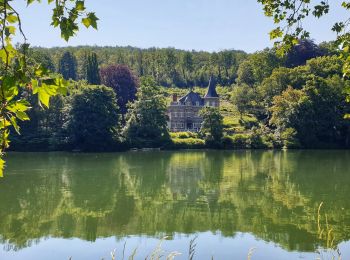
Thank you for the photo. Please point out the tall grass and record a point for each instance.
(327, 237)
(192, 248)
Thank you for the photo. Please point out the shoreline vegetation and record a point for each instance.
(118, 100)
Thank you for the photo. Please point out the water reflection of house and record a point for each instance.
(184, 113)
(184, 172)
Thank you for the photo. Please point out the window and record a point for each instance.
(180, 125)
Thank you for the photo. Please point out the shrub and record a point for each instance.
(184, 135)
(188, 143)
(213, 144)
(271, 140)
(227, 142)
(256, 140)
(289, 139)
(212, 126)
(241, 141)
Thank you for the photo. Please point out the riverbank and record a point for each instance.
(176, 141)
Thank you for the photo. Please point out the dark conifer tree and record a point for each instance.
(68, 66)
(92, 70)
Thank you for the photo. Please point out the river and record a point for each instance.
(230, 203)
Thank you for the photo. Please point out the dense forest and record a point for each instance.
(169, 67)
(118, 99)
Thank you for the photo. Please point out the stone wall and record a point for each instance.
(184, 118)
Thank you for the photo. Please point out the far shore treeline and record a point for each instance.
(118, 99)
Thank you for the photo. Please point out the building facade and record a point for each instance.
(184, 115)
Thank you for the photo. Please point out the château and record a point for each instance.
(184, 113)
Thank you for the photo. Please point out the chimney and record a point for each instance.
(174, 97)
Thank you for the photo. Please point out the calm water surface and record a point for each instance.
(61, 205)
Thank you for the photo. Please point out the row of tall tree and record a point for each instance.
(172, 67)
(169, 67)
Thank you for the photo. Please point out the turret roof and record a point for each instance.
(211, 93)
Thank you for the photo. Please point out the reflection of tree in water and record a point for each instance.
(323, 177)
(261, 209)
(285, 191)
(28, 198)
(272, 194)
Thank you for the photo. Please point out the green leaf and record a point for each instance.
(35, 86)
(90, 20)
(4, 124)
(2, 166)
(68, 28)
(10, 30)
(15, 106)
(5, 138)
(40, 71)
(276, 33)
(11, 18)
(30, 2)
(79, 6)
(44, 97)
(86, 22)
(14, 124)
(10, 88)
(22, 116)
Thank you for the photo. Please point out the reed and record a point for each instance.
(251, 252)
(192, 248)
(327, 237)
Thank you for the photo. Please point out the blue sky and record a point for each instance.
(210, 25)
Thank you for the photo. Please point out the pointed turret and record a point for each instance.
(211, 99)
(211, 93)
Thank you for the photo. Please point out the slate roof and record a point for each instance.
(193, 98)
(211, 93)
